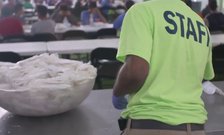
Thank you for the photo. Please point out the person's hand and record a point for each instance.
(210, 88)
(119, 102)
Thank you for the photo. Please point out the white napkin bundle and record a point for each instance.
(44, 85)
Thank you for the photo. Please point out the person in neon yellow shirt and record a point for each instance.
(166, 50)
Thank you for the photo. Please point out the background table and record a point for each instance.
(25, 48)
(86, 28)
(96, 116)
(60, 28)
(80, 46)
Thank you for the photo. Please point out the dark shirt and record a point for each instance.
(216, 21)
(78, 9)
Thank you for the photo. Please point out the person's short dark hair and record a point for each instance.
(213, 4)
(18, 7)
(129, 3)
(42, 10)
(64, 7)
(92, 4)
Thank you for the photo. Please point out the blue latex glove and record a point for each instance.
(119, 102)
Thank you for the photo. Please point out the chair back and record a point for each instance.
(43, 37)
(74, 35)
(1, 39)
(16, 38)
(218, 59)
(107, 33)
(10, 57)
(104, 59)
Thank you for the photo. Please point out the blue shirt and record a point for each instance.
(118, 21)
(85, 17)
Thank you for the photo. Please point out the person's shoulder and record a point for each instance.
(139, 8)
(143, 5)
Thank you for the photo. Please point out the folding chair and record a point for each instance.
(10, 57)
(16, 38)
(218, 59)
(74, 35)
(104, 59)
(43, 37)
(107, 33)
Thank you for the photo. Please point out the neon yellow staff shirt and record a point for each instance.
(175, 42)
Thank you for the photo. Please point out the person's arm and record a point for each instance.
(85, 17)
(102, 18)
(131, 76)
(118, 22)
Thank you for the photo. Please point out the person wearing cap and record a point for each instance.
(92, 15)
(166, 50)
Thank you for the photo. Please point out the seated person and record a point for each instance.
(19, 13)
(214, 20)
(118, 21)
(92, 15)
(44, 25)
(80, 6)
(9, 6)
(27, 4)
(10, 25)
(63, 15)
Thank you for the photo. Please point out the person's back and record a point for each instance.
(174, 41)
(10, 26)
(44, 25)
